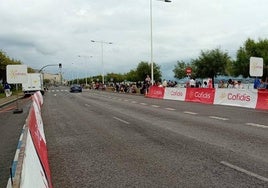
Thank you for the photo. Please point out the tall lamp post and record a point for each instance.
(151, 24)
(102, 42)
(84, 56)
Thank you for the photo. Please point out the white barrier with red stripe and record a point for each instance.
(236, 97)
(32, 172)
(174, 93)
(35, 171)
(37, 135)
(257, 99)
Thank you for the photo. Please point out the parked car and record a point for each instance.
(75, 88)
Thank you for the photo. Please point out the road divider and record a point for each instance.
(32, 166)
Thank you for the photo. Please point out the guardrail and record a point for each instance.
(30, 167)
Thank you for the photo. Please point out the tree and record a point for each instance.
(115, 77)
(180, 68)
(250, 49)
(132, 76)
(211, 63)
(4, 61)
(144, 68)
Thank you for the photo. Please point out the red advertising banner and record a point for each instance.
(156, 92)
(39, 143)
(262, 102)
(201, 95)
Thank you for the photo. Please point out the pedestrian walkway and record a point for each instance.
(7, 100)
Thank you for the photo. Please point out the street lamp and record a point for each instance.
(151, 23)
(84, 56)
(73, 74)
(102, 42)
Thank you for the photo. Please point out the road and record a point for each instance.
(11, 126)
(102, 139)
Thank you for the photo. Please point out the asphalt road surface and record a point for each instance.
(11, 126)
(102, 139)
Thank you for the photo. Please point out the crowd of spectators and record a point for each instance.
(237, 84)
(143, 86)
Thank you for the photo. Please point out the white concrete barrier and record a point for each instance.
(31, 167)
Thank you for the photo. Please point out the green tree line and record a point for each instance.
(212, 63)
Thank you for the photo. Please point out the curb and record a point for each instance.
(16, 166)
(10, 101)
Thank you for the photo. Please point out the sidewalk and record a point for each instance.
(7, 100)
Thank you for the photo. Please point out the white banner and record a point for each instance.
(236, 97)
(17, 74)
(174, 93)
(256, 66)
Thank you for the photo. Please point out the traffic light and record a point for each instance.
(60, 65)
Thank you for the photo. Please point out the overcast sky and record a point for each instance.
(41, 32)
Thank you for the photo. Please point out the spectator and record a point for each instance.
(240, 85)
(257, 83)
(205, 85)
(192, 82)
(164, 84)
(262, 85)
(7, 89)
(221, 84)
(147, 83)
(235, 84)
(147, 79)
(230, 83)
(198, 84)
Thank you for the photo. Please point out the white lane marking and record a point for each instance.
(142, 103)
(192, 113)
(134, 102)
(218, 118)
(171, 109)
(244, 171)
(87, 105)
(123, 121)
(155, 106)
(126, 100)
(257, 125)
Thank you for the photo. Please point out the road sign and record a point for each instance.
(17, 74)
(256, 66)
(188, 70)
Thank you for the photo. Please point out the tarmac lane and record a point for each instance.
(100, 139)
(11, 125)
